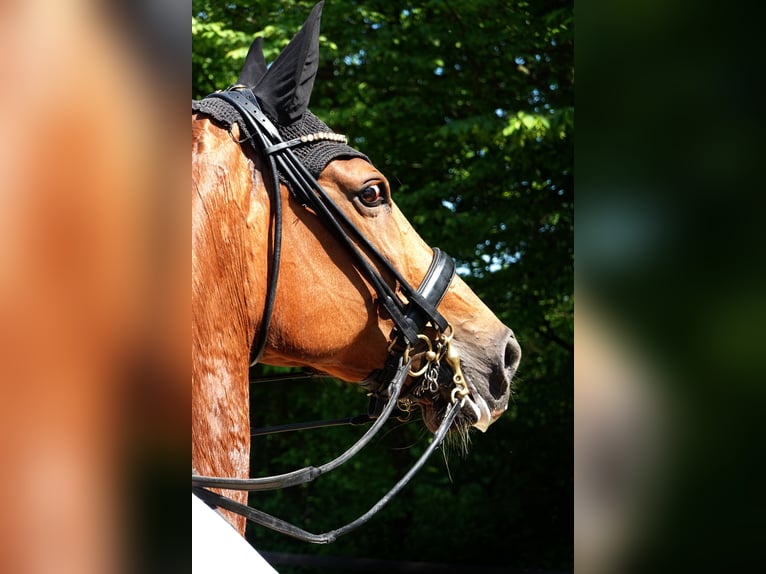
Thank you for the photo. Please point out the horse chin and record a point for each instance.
(474, 413)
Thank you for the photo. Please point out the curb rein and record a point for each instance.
(410, 319)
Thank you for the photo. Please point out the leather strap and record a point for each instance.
(410, 318)
(431, 291)
(310, 473)
(259, 517)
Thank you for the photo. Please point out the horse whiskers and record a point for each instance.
(400, 425)
(459, 440)
(445, 456)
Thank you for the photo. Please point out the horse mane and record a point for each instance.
(222, 283)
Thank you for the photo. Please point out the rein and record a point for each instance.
(410, 316)
(279, 525)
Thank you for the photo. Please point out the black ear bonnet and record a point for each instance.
(283, 91)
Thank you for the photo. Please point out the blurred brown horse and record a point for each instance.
(326, 315)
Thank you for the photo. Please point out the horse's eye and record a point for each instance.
(371, 195)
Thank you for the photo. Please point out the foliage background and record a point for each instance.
(468, 108)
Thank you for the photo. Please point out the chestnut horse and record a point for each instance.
(326, 313)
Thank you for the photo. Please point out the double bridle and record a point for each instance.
(412, 317)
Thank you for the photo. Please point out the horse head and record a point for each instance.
(327, 313)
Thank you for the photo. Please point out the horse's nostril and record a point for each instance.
(499, 383)
(500, 379)
(512, 354)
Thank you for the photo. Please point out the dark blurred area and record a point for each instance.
(670, 283)
(93, 286)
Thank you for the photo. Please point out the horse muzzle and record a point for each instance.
(489, 377)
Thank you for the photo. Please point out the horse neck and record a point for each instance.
(225, 300)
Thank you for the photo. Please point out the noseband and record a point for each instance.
(411, 317)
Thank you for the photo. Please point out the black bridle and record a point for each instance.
(410, 316)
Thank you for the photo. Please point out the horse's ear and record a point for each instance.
(255, 64)
(286, 88)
